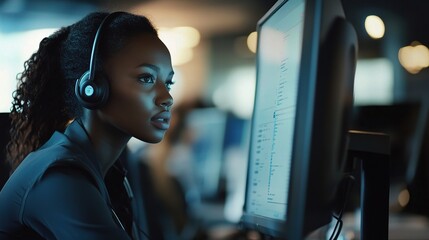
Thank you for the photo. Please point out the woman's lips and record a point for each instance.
(161, 120)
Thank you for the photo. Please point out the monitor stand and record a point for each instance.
(372, 150)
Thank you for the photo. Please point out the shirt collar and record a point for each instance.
(77, 134)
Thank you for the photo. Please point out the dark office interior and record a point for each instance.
(197, 176)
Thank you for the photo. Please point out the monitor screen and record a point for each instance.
(207, 130)
(306, 59)
(280, 47)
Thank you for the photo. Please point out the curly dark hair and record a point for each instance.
(44, 101)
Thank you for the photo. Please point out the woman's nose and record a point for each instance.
(164, 98)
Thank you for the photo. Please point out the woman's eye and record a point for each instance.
(168, 84)
(147, 78)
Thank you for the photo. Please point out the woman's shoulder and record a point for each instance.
(58, 151)
(32, 181)
(57, 158)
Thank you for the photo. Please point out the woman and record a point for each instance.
(67, 135)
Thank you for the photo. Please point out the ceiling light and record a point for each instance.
(414, 57)
(374, 26)
(189, 36)
(180, 41)
(252, 41)
(404, 198)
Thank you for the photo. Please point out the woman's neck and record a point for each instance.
(108, 141)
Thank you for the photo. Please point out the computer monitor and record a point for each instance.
(4, 139)
(207, 127)
(306, 58)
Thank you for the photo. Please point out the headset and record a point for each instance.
(93, 93)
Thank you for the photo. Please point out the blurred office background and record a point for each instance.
(212, 43)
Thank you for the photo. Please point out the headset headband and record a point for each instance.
(100, 29)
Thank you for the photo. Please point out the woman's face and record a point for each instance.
(140, 77)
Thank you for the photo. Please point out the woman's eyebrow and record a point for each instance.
(154, 67)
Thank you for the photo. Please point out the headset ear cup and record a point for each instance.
(104, 91)
(91, 94)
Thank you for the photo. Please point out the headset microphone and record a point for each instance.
(93, 92)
